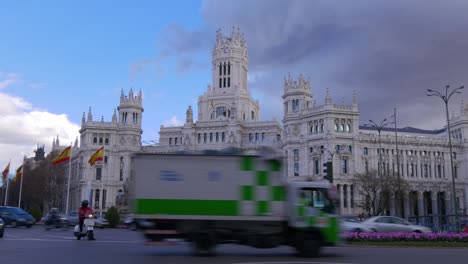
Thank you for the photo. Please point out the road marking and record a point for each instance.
(68, 239)
(293, 262)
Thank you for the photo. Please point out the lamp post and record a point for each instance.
(446, 97)
(379, 128)
(400, 194)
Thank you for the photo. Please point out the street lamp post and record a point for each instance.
(400, 194)
(446, 97)
(379, 130)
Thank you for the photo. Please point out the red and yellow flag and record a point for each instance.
(64, 156)
(19, 173)
(5, 172)
(97, 156)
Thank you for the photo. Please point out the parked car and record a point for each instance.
(352, 224)
(72, 218)
(465, 229)
(14, 216)
(2, 228)
(135, 224)
(387, 224)
(100, 222)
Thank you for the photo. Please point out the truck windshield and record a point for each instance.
(317, 198)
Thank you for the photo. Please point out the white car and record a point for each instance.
(352, 224)
(387, 224)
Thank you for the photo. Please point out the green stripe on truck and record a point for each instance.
(186, 207)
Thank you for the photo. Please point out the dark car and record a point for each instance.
(2, 228)
(14, 216)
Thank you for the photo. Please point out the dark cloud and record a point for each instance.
(390, 52)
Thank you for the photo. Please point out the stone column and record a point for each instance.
(341, 199)
(392, 205)
(420, 205)
(406, 205)
(435, 211)
(348, 196)
(449, 212)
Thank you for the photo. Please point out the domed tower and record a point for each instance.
(229, 83)
(297, 96)
(130, 118)
(230, 62)
(130, 109)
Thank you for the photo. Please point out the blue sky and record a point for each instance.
(58, 58)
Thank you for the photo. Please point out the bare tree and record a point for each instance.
(371, 190)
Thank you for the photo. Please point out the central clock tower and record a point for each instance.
(229, 63)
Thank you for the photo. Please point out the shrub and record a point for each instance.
(113, 216)
(35, 212)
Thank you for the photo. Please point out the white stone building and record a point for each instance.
(103, 183)
(228, 116)
(316, 133)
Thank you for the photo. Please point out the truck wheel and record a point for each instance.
(309, 248)
(204, 244)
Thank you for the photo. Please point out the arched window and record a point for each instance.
(342, 127)
(321, 128)
(253, 115)
(336, 127)
(348, 127)
(96, 198)
(316, 129)
(104, 193)
(250, 137)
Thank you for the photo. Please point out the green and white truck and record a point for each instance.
(221, 198)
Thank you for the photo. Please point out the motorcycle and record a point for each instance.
(54, 220)
(88, 229)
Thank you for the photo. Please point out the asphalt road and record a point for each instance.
(36, 246)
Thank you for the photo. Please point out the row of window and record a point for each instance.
(411, 170)
(343, 127)
(101, 139)
(223, 67)
(211, 137)
(295, 105)
(347, 197)
(134, 117)
(258, 136)
(224, 81)
(409, 152)
(99, 169)
(343, 162)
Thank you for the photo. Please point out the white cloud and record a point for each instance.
(22, 128)
(174, 121)
(7, 79)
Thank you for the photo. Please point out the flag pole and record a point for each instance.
(21, 184)
(102, 182)
(68, 185)
(6, 193)
(6, 179)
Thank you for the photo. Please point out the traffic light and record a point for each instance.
(328, 170)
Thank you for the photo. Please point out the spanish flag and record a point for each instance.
(5, 171)
(97, 156)
(64, 156)
(19, 173)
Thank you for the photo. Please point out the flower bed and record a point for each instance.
(406, 237)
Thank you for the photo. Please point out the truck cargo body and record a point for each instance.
(213, 199)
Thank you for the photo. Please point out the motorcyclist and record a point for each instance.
(83, 213)
(53, 217)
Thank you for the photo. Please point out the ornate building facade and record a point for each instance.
(317, 133)
(104, 183)
(228, 116)
(312, 134)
